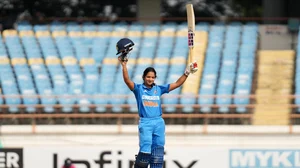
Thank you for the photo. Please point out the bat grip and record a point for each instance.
(191, 54)
(190, 39)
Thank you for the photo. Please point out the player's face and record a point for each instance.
(149, 78)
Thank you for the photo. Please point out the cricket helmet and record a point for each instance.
(124, 45)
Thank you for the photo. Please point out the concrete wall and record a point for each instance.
(132, 129)
(274, 8)
(126, 135)
(148, 11)
(276, 37)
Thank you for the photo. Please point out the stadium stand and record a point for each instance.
(246, 66)
(77, 62)
(228, 65)
(177, 63)
(297, 75)
(211, 66)
(271, 85)
(189, 94)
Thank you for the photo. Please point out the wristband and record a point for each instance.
(186, 72)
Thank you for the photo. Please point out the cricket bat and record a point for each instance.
(191, 30)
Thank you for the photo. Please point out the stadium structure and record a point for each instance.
(62, 91)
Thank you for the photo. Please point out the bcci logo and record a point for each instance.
(11, 158)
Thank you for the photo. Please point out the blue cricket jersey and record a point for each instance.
(148, 99)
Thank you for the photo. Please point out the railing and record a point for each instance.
(205, 120)
(127, 114)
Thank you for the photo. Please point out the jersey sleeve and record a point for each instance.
(135, 88)
(164, 88)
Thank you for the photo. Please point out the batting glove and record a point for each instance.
(123, 58)
(192, 68)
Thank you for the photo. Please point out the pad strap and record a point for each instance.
(157, 155)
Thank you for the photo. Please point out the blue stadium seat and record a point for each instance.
(170, 100)
(9, 89)
(99, 49)
(153, 27)
(57, 26)
(169, 26)
(202, 26)
(104, 26)
(89, 26)
(44, 87)
(246, 63)
(64, 98)
(23, 26)
(72, 26)
(228, 67)
(121, 26)
(40, 28)
(187, 101)
(136, 26)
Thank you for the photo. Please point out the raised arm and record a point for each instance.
(126, 78)
(178, 83)
(192, 68)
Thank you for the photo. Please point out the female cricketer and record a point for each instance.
(148, 96)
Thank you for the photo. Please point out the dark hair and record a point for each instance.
(149, 69)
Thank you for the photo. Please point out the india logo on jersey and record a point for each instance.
(145, 97)
(150, 101)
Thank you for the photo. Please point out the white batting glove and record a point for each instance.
(192, 68)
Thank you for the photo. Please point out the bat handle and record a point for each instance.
(191, 45)
(191, 54)
(191, 38)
